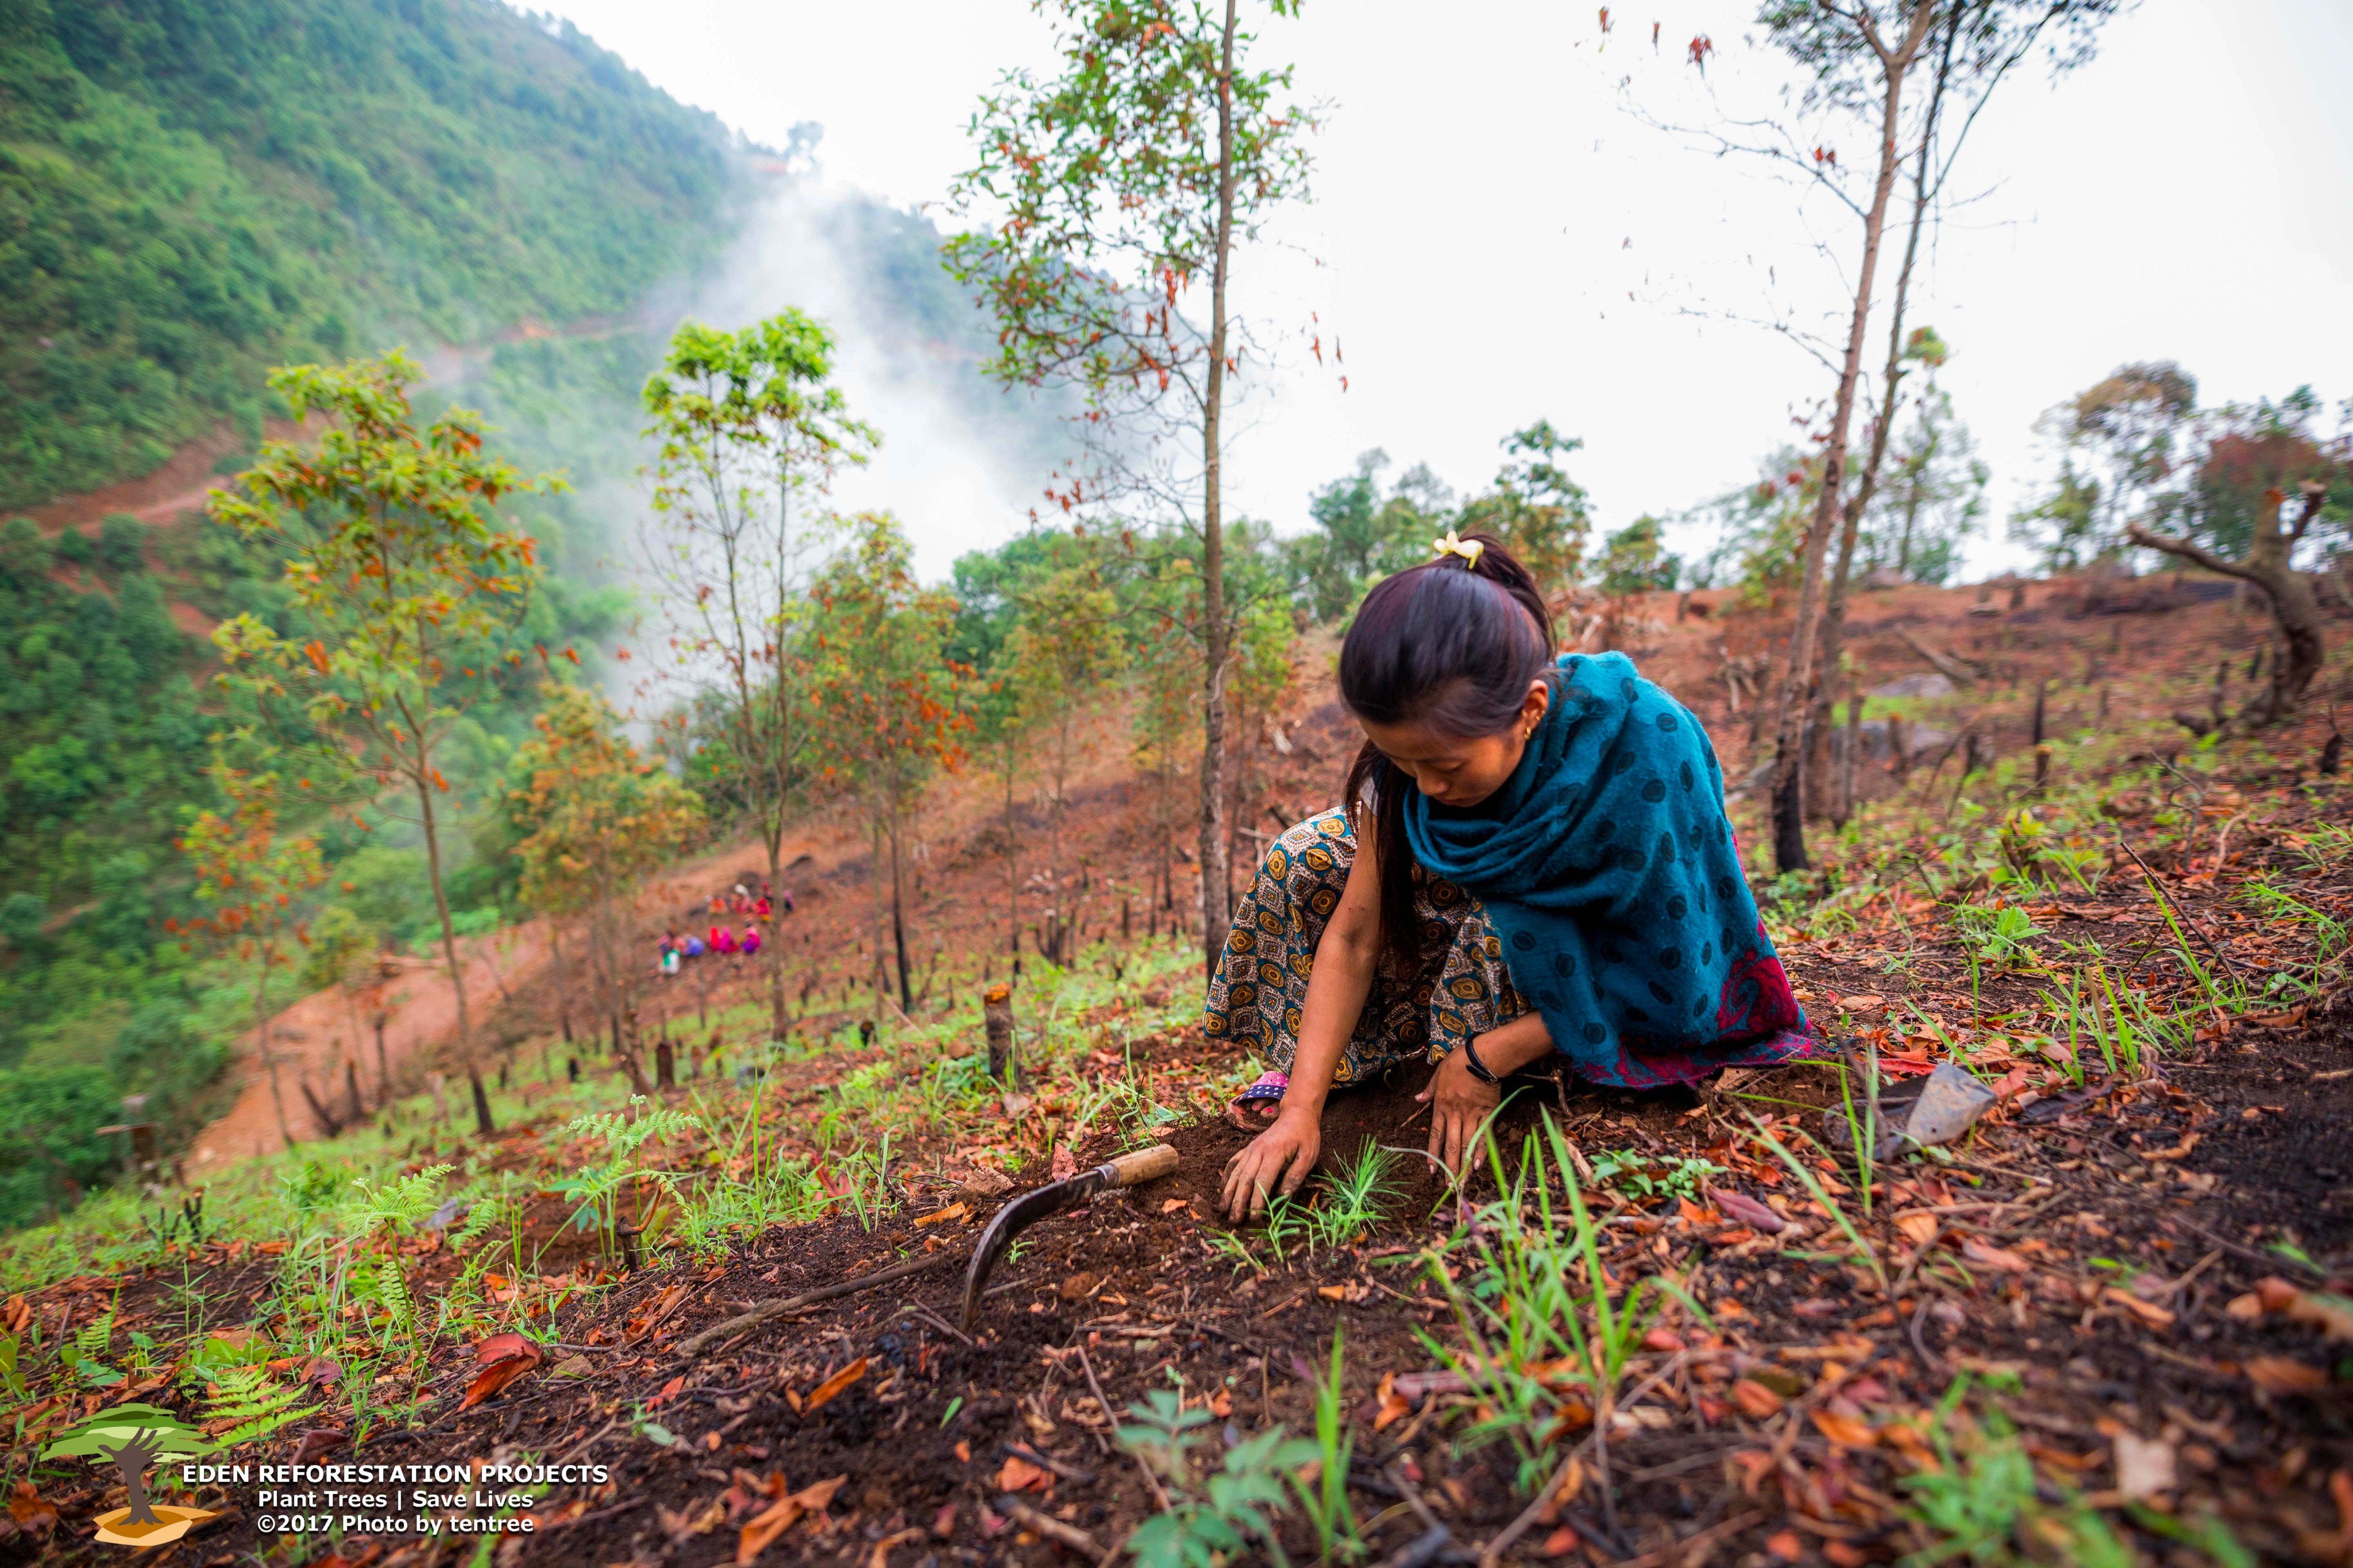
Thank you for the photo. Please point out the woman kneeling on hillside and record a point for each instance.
(1548, 867)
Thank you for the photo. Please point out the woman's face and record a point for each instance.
(1456, 771)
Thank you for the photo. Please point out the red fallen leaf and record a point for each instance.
(1559, 1544)
(782, 1515)
(494, 1377)
(1756, 1401)
(824, 1393)
(324, 1371)
(1065, 1163)
(1021, 1474)
(943, 1522)
(26, 1507)
(1749, 1212)
(1785, 1545)
(1662, 1340)
(669, 1391)
(499, 1347)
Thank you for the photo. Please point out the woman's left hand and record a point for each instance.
(1458, 1106)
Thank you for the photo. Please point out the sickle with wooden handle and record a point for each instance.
(1129, 1170)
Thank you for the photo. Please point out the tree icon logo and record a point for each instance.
(132, 1438)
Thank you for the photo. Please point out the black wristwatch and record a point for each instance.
(1478, 1068)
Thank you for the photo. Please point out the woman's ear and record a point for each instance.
(1535, 704)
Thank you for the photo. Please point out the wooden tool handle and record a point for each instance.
(1140, 1165)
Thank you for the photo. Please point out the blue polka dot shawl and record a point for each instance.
(1608, 868)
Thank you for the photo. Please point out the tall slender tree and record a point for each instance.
(1112, 191)
(248, 877)
(887, 702)
(1062, 652)
(748, 429)
(410, 581)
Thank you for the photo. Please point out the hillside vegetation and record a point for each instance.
(190, 192)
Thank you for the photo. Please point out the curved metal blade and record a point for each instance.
(1016, 1217)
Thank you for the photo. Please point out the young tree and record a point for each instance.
(1113, 189)
(1063, 651)
(408, 580)
(1361, 534)
(748, 429)
(338, 957)
(1857, 60)
(1534, 508)
(1933, 497)
(248, 879)
(2243, 462)
(886, 702)
(593, 818)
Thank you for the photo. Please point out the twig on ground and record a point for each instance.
(1047, 1525)
(1422, 1550)
(1159, 1493)
(2186, 918)
(761, 1314)
(919, 1310)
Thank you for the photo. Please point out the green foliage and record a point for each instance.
(1212, 1517)
(255, 1405)
(195, 191)
(597, 1187)
(1647, 1177)
(398, 1206)
(1634, 561)
(1362, 536)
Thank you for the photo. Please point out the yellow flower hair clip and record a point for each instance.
(1453, 544)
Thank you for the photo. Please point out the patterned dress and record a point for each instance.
(1259, 990)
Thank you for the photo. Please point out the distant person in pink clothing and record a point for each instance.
(751, 943)
(721, 939)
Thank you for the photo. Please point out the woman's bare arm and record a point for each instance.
(1278, 1159)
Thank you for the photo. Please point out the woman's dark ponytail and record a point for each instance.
(1453, 644)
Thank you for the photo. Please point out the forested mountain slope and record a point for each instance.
(193, 190)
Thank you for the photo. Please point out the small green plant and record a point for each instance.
(597, 1188)
(253, 1404)
(1998, 936)
(397, 1207)
(1214, 1517)
(1324, 1499)
(1645, 1176)
(89, 1343)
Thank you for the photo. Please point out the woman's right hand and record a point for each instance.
(1277, 1161)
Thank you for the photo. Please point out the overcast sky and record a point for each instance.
(1495, 237)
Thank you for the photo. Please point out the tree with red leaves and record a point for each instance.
(888, 705)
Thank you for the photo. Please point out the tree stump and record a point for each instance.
(996, 1016)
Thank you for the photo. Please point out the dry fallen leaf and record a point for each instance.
(1021, 1474)
(2144, 1466)
(1393, 1405)
(941, 1217)
(2148, 1312)
(1918, 1228)
(1846, 1431)
(1985, 1254)
(2275, 1293)
(782, 1515)
(492, 1379)
(2332, 1315)
(1756, 1401)
(824, 1393)
(2246, 1308)
(2277, 1375)
(1749, 1212)
(1173, 1204)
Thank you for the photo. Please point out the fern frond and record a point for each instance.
(401, 1205)
(392, 1290)
(246, 1404)
(94, 1339)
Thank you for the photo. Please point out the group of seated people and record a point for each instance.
(721, 939)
